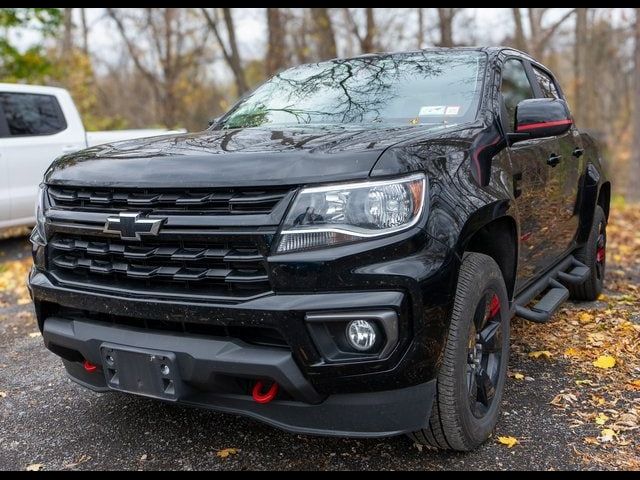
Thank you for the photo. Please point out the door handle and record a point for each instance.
(577, 152)
(554, 160)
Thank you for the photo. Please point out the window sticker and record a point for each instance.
(432, 110)
(452, 110)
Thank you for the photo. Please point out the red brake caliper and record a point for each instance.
(600, 254)
(494, 306)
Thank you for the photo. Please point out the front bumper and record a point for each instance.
(208, 361)
(318, 395)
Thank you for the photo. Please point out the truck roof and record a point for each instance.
(37, 89)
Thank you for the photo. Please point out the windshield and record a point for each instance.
(409, 88)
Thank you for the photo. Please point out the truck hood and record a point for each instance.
(241, 157)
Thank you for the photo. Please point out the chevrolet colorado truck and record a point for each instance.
(341, 253)
(37, 124)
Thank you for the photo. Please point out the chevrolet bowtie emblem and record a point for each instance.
(131, 227)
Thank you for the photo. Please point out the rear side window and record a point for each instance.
(546, 83)
(515, 87)
(31, 114)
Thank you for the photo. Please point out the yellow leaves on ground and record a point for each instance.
(3, 394)
(508, 441)
(635, 384)
(35, 467)
(586, 317)
(13, 280)
(607, 435)
(541, 353)
(518, 376)
(601, 419)
(226, 452)
(572, 352)
(605, 361)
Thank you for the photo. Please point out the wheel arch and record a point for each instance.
(604, 198)
(497, 237)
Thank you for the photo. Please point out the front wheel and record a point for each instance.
(472, 376)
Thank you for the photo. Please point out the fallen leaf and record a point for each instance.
(591, 440)
(602, 297)
(3, 394)
(584, 382)
(35, 334)
(605, 361)
(143, 457)
(586, 317)
(35, 467)
(508, 441)
(601, 419)
(607, 435)
(635, 383)
(225, 452)
(541, 353)
(518, 376)
(572, 352)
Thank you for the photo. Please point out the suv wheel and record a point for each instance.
(472, 376)
(594, 255)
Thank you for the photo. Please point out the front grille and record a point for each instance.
(220, 202)
(229, 269)
(205, 250)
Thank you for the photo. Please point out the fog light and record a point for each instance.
(361, 334)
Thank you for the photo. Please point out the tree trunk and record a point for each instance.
(369, 40)
(276, 52)
(235, 63)
(323, 33)
(633, 189)
(420, 39)
(445, 17)
(581, 95)
(85, 31)
(67, 37)
(519, 40)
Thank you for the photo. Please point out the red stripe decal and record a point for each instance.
(533, 126)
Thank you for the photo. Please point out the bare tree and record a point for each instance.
(165, 49)
(445, 24)
(580, 73)
(519, 40)
(323, 33)
(420, 37)
(634, 186)
(366, 39)
(277, 48)
(229, 47)
(67, 37)
(85, 31)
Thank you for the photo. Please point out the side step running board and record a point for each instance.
(568, 272)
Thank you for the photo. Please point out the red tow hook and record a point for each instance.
(89, 367)
(266, 397)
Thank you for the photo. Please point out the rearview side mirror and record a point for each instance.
(540, 117)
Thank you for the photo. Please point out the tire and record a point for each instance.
(593, 255)
(453, 425)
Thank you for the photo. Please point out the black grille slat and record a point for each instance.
(231, 202)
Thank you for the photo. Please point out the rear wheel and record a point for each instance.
(472, 376)
(594, 255)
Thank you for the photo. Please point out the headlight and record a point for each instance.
(337, 214)
(38, 235)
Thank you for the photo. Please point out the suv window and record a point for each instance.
(515, 88)
(31, 114)
(546, 83)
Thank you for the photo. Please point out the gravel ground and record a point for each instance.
(46, 419)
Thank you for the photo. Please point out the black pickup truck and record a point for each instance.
(341, 253)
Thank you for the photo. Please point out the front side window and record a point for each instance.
(546, 83)
(515, 87)
(412, 88)
(31, 114)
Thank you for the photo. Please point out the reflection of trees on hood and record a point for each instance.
(341, 91)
